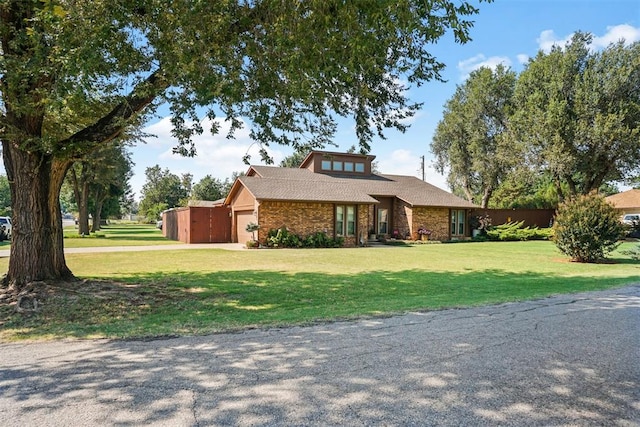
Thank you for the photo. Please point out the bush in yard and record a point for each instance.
(322, 240)
(283, 238)
(512, 231)
(587, 228)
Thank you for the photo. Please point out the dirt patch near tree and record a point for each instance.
(81, 302)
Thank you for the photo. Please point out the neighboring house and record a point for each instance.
(337, 193)
(627, 202)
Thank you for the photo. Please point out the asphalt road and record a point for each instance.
(568, 360)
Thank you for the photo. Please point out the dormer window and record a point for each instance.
(344, 164)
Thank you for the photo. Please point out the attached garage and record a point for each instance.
(242, 219)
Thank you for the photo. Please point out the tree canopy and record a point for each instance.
(101, 175)
(568, 124)
(75, 74)
(577, 113)
(163, 190)
(210, 188)
(470, 139)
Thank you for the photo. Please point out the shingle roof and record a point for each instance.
(275, 183)
(304, 190)
(626, 199)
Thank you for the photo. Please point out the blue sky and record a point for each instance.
(506, 31)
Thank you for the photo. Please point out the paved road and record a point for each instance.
(567, 360)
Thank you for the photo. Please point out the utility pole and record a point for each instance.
(422, 166)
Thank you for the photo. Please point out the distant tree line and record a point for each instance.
(567, 125)
(165, 190)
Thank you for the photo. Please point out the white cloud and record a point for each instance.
(522, 58)
(478, 61)
(548, 39)
(216, 155)
(614, 34)
(405, 162)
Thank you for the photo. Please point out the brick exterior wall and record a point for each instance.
(435, 219)
(305, 218)
(363, 225)
(402, 217)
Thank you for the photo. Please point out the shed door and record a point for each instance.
(242, 219)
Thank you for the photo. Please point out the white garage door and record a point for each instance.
(242, 219)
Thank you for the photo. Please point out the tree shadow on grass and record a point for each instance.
(513, 364)
(192, 303)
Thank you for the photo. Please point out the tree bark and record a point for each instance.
(488, 192)
(37, 219)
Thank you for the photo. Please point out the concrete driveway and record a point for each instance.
(568, 360)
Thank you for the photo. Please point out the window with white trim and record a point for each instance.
(345, 220)
(458, 221)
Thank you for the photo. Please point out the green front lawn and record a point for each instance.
(112, 235)
(143, 294)
(117, 235)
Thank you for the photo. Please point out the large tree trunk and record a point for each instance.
(37, 250)
(486, 196)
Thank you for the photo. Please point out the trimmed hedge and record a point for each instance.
(283, 238)
(514, 231)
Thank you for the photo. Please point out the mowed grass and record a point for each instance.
(203, 291)
(112, 235)
(117, 235)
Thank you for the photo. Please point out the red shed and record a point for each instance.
(200, 222)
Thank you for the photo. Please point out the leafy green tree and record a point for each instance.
(470, 140)
(111, 183)
(209, 188)
(526, 188)
(587, 228)
(295, 159)
(165, 189)
(577, 114)
(77, 74)
(608, 189)
(103, 173)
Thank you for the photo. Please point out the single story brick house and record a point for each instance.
(339, 194)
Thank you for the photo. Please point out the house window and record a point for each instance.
(383, 221)
(337, 166)
(348, 166)
(345, 220)
(351, 221)
(326, 165)
(458, 220)
(359, 167)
